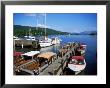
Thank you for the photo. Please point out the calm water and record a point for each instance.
(91, 52)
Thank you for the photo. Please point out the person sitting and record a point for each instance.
(35, 73)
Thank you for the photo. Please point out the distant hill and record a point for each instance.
(86, 33)
(89, 33)
(74, 33)
(24, 30)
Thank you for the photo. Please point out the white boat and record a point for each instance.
(46, 41)
(30, 55)
(77, 64)
(82, 49)
(16, 38)
(30, 37)
(55, 40)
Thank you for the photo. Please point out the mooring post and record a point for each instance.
(22, 45)
(14, 44)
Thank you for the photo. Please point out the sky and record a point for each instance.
(66, 22)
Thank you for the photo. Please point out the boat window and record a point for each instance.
(80, 62)
(27, 57)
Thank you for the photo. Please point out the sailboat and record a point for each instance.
(55, 40)
(30, 37)
(46, 41)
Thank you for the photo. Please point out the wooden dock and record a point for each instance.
(26, 43)
(58, 64)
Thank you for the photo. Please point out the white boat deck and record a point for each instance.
(32, 53)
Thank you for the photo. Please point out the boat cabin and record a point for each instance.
(55, 40)
(30, 55)
(77, 60)
(46, 57)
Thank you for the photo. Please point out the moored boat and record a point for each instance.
(16, 38)
(45, 42)
(30, 55)
(29, 37)
(82, 49)
(55, 40)
(26, 62)
(48, 56)
(77, 64)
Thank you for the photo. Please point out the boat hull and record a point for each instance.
(77, 68)
(45, 44)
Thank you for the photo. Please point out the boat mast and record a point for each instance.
(26, 33)
(37, 22)
(45, 25)
(30, 31)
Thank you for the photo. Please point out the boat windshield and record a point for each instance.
(27, 57)
(77, 62)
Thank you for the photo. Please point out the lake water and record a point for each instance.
(91, 52)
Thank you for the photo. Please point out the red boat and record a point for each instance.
(17, 54)
(77, 64)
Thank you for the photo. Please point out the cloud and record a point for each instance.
(34, 14)
(43, 26)
(30, 14)
(41, 14)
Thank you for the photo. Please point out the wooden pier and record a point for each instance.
(57, 66)
(58, 63)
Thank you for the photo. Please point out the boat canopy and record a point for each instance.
(63, 50)
(46, 55)
(78, 57)
(82, 45)
(32, 53)
(17, 53)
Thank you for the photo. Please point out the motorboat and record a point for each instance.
(77, 64)
(82, 49)
(30, 55)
